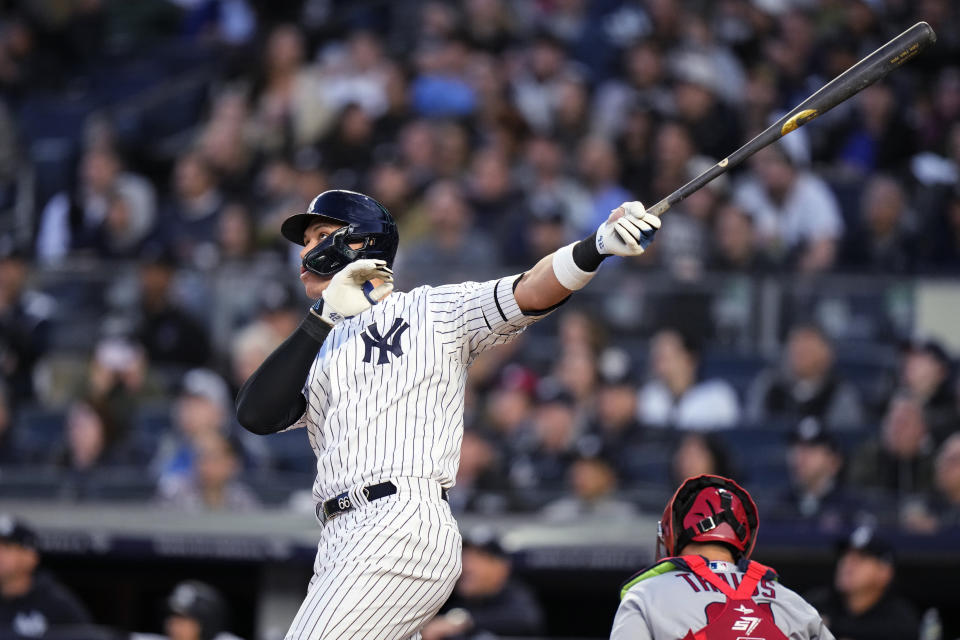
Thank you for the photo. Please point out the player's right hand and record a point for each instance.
(628, 231)
(351, 291)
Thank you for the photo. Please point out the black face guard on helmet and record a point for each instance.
(366, 222)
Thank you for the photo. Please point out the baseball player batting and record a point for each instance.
(704, 585)
(377, 379)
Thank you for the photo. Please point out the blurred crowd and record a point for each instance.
(149, 151)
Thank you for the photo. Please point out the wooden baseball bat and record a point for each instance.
(864, 73)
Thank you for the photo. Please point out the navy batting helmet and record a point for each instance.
(365, 221)
(201, 602)
(709, 508)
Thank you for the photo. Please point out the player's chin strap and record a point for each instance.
(724, 516)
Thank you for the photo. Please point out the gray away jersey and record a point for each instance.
(667, 606)
(385, 393)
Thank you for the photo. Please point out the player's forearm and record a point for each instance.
(558, 275)
(271, 399)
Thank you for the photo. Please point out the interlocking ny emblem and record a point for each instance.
(389, 343)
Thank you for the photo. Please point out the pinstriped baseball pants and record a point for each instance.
(382, 569)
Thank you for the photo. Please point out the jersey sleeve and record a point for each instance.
(471, 317)
(630, 623)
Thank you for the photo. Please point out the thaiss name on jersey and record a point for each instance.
(764, 589)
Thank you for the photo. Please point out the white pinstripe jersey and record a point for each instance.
(385, 393)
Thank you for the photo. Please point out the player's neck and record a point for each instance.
(16, 586)
(710, 551)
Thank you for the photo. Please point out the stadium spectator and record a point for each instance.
(884, 241)
(289, 111)
(675, 398)
(613, 419)
(497, 205)
(814, 466)
(697, 89)
(119, 383)
(509, 406)
(546, 231)
(441, 88)
(797, 216)
(805, 384)
(225, 142)
(32, 602)
(124, 228)
(536, 87)
(593, 484)
(736, 247)
(452, 246)
(487, 599)
(925, 373)
(698, 453)
(25, 322)
(347, 151)
(192, 215)
(236, 235)
(642, 85)
(85, 448)
(940, 510)
(71, 221)
(543, 166)
(356, 73)
(171, 335)
(875, 136)
(200, 409)
(213, 483)
(861, 604)
(544, 464)
(483, 486)
(599, 169)
(900, 460)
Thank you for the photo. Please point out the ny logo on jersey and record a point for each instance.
(389, 343)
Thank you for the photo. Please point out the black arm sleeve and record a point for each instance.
(272, 399)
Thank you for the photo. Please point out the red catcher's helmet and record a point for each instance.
(708, 509)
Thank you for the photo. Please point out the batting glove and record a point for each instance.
(628, 231)
(350, 291)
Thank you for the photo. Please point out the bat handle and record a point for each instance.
(660, 208)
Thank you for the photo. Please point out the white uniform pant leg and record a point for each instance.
(382, 572)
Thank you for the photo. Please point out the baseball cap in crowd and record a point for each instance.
(811, 431)
(865, 540)
(14, 531)
(550, 391)
(615, 367)
(484, 539)
(200, 602)
(516, 377)
(204, 383)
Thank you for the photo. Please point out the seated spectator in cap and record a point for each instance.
(170, 334)
(189, 219)
(71, 219)
(487, 600)
(900, 460)
(884, 243)
(213, 483)
(119, 382)
(544, 464)
(613, 419)
(509, 406)
(24, 322)
(194, 611)
(737, 247)
(202, 407)
(441, 88)
(796, 214)
(32, 602)
(593, 482)
(805, 384)
(697, 454)
(861, 604)
(546, 228)
(124, 228)
(452, 244)
(675, 398)
(483, 485)
(926, 374)
(814, 466)
(940, 510)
